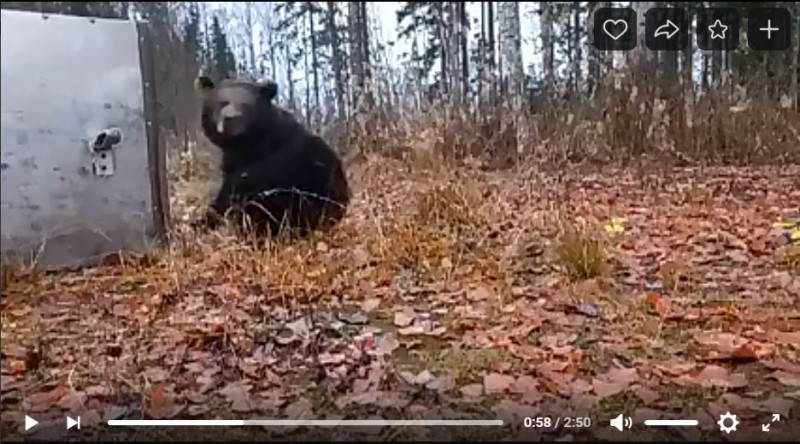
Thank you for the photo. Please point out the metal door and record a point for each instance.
(82, 171)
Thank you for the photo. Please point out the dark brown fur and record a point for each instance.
(274, 170)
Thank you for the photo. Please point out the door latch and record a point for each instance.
(103, 152)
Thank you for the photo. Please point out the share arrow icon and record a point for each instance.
(669, 30)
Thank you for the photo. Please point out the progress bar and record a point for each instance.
(301, 422)
(671, 422)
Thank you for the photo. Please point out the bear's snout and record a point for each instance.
(232, 125)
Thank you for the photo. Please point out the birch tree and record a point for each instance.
(510, 48)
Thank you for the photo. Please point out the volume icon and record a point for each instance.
(621, 422)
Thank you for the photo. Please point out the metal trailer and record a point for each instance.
(83, 174)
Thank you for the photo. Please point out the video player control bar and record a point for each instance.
(301, 422)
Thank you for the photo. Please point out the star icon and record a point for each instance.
(718, 30)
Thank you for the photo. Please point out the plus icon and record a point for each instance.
(769, 29)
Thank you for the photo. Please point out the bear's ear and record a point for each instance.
(203, 83)
(269, 89)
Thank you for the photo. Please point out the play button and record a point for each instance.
(30, 423)
(72, 423)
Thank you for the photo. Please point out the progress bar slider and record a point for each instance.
(671, 422)
(302, 422)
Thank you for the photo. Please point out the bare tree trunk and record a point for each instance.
(248, 19)
(510, 48)
(593, 54)
(445, 56)
(337, 59)
(511, 72)
(314, 64)
(643, 56)
(306, 74)
(364, 41)
(547, 45)
(356, 65)
(273, 68)
(716, 68)
(463, 25)
(491, 51)
(482, 56)
(794, 91)
(454, 49)
(289, 69)
(687, 76)
(576, 46)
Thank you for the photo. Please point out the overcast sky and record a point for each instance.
(385, 13)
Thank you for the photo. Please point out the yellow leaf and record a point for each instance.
(784, 224)
(617, 225)
(795, 234)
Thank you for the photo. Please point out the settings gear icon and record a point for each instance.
(730, 428)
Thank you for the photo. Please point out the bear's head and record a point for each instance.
(234, 108)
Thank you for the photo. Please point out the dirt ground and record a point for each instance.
(554, 302)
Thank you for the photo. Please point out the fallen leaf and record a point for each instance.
(658, 303)
(497, 382)
(777, 404)
(90, 419)
(8, 383)
(114, 412)
(528, 388)
(472, 390)
(404, 318)
(411, 331)
(159, 403)
(512, 412)
(97, 391)
(370, 304)
(786, 378)
(479, 294)
(620, 375)
(300, 409)
(197, 410)
(605, 389)
(784, 224)
(17, 366)
(716, 376)
(353, 318)
(238, 394)
(385, 344)
(647, 396)
(45, 400)
(615, 225)
(675, 368)
(788, 338)
(588, 309)
(331, 358)
(500, 366)
(422, 378)
(72, 401)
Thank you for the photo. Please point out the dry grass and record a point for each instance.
(13, 275)
(789, 258)
(582, 252)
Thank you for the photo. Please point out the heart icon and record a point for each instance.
(615, 28)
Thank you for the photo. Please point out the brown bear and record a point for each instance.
(274, 170)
